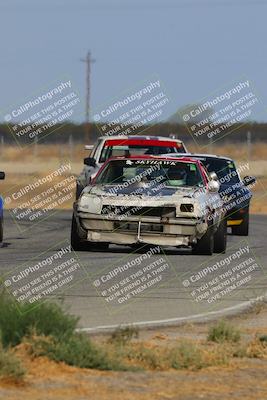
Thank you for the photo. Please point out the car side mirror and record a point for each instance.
(91, 162)
(2, 175)
(213, 186)
(214, 176)
(249, 180)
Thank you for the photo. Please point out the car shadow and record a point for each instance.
(144, 248)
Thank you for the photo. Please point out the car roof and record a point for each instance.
(199, 155)
(142, 137)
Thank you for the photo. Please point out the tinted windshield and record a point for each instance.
(225, 169)
(173, 173)
(136, 148)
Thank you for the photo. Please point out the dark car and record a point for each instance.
(235, 192)
(2, 176)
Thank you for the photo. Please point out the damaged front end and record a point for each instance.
(126, 220)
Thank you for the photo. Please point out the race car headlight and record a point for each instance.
(187, 208)
(90, 204)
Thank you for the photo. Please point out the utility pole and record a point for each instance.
(88, 60)
(249, 146)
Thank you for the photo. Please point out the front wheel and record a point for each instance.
(79, 190)
(205, 245)
(220, 237)
(243, 229)
(76, 243)
(79, 245)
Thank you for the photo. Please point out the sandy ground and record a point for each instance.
(244, 379)
(47, 381)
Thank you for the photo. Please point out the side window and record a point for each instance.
(93, 152)
(105, 154)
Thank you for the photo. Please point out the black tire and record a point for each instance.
(79, 190)
(79, 245)
(100, 247)
(243, 229)
(205, 245)
(76, 243)
(1, 230)
(220, 237)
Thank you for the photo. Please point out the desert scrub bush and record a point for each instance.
(122, 336)
(263, 339)
(223, 332)
(257, 348)
(10, 366)
(186, 356)
(146, 357)
(18, 319)
(76, 350)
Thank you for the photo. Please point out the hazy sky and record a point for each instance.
(194, 46)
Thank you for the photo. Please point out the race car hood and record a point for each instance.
(95, 197)
(143, 191)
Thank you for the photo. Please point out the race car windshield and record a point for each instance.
(128, 149)
(133, 172)
(225, 169)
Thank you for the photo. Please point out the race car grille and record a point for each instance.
(133, 227)
(142, 211)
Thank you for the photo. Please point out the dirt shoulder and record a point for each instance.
(242, 378)
(46, 380)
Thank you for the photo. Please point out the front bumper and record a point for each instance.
(236, 216)
(136, 229)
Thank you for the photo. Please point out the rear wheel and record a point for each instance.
(205, 245)
(220, 237)
(243, 229)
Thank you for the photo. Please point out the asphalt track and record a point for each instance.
(167, 301)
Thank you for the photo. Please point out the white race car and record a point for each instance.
(155, 200)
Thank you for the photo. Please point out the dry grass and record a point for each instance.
(188, 353)
(21, 165)
(237, 151)
(147, 355)
(40, 152)
(10, 366)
